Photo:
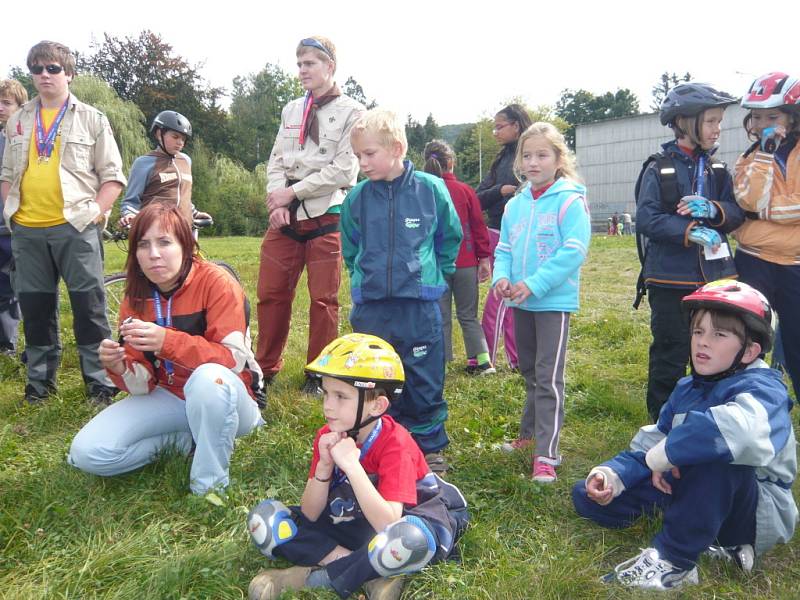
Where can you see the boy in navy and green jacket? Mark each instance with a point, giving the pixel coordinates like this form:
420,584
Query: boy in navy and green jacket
400,236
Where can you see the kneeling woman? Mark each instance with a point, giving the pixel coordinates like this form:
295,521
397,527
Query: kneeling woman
182,356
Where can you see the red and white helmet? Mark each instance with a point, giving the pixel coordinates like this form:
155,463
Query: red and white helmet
773,90
736,297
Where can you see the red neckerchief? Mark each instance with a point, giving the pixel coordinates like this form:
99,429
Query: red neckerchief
310,125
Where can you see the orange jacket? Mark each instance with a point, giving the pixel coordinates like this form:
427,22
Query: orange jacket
208,326
765,190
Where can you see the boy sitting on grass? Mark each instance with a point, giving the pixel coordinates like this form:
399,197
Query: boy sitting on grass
371,508
720,461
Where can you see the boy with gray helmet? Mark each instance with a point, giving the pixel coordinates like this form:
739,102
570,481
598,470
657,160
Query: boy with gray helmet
685,206
165,174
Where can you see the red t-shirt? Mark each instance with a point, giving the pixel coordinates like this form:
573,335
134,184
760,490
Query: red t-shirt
394,457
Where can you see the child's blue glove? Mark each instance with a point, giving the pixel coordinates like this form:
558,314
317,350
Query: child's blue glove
700,208
769,140
705,237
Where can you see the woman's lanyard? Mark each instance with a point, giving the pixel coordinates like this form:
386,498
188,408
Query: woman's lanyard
338,475
46,138
160,320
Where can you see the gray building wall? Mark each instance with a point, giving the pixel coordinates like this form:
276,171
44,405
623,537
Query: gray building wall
610,155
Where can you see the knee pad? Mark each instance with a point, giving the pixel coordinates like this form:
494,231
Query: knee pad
405,546
270,524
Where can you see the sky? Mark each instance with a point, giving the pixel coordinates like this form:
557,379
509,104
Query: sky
459,61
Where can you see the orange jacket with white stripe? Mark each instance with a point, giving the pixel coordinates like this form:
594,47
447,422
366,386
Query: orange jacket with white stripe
767,187
209,325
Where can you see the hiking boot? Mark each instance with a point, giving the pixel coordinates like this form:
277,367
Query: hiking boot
384,588
101,395
649,571
743,555
437,463
543,472
34,395
481,369
517,444
312,386
270,583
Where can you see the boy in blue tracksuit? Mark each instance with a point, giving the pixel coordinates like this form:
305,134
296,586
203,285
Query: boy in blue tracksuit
720,461
400,237
684,208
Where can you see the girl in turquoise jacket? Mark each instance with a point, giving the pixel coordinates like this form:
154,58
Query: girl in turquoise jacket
544,238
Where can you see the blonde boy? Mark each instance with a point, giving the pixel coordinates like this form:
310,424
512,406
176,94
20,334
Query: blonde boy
400,237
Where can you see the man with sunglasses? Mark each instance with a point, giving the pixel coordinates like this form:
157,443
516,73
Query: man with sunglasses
310,169
61,173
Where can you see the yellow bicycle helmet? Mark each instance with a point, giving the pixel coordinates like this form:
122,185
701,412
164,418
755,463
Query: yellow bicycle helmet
366,362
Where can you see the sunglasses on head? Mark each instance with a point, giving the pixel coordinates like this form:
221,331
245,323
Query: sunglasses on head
312,43
52,69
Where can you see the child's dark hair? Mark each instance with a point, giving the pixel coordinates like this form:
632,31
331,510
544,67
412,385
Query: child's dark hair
726,321
437,155
513,113
794,121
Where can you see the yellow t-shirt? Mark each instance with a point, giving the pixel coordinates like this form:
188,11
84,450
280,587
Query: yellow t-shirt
41,199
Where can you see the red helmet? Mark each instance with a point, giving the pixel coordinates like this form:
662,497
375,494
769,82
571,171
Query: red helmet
734,296
773,90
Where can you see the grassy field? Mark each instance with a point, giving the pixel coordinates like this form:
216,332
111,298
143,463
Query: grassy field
65,534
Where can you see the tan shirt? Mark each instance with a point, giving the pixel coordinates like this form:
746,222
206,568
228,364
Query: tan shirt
89,158
325,171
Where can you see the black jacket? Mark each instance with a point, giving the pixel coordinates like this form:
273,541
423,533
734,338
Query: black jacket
492,201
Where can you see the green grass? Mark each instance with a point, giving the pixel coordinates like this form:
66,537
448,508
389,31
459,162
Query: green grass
65,534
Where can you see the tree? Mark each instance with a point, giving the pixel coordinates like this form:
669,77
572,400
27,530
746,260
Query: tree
666,83
255,112
415,134
582,106
353,89
431,130
125,117
144,70
24,78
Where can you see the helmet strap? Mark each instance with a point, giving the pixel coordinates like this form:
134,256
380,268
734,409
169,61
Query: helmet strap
159,135
358,424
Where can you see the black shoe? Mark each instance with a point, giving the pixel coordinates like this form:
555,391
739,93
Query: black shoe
34,396
101,396
312,386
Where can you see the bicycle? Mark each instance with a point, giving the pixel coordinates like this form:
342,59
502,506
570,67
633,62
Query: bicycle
114,283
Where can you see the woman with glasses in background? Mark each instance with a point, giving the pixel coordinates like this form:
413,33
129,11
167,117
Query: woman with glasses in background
494,191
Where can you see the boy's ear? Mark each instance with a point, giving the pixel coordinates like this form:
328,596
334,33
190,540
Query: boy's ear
751,353
397,149
379,405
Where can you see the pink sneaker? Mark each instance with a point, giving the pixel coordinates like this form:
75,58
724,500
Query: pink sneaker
517,444
543,472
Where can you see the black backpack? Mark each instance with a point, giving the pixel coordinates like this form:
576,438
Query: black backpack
670,196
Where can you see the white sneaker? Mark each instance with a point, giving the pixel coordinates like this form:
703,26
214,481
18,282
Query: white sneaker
649,571
743,555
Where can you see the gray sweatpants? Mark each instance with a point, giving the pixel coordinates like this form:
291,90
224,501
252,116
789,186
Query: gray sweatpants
463,286
542,347
42,256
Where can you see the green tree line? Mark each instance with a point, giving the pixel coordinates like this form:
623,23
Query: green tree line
132,79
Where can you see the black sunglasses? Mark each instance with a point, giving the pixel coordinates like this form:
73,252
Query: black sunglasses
52,69
312,43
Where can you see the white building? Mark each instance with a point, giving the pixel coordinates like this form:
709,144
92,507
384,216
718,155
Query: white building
610,155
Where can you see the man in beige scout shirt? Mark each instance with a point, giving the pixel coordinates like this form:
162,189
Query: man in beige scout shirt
61,172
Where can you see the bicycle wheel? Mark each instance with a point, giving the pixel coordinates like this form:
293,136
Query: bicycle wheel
229,269
114,285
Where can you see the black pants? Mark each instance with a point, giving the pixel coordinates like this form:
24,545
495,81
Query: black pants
669,351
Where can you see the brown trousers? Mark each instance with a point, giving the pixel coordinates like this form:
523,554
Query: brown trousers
282,262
